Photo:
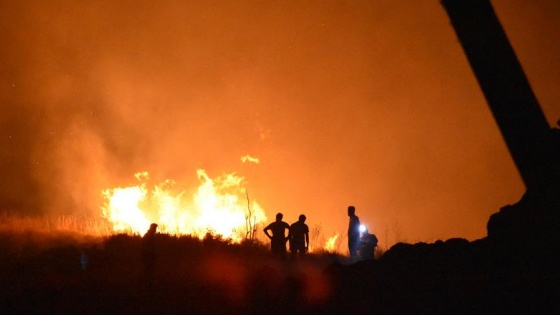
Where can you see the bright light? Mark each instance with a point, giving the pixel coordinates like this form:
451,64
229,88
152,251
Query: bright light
362,228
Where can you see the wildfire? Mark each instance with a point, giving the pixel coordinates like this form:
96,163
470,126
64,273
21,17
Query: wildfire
331,242
219,205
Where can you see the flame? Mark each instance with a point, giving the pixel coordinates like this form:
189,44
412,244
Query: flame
330,243
219,205
250,159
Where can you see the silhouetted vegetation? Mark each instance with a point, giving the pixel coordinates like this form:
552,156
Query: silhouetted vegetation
190,275
46,273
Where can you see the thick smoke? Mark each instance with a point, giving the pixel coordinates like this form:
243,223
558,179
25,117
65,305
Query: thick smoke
369,103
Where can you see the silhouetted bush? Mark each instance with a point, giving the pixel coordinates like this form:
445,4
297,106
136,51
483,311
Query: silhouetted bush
65,274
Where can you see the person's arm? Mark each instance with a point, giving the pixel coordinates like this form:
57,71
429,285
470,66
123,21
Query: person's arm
265,230
306,241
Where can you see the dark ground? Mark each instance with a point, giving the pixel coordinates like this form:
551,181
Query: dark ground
215,277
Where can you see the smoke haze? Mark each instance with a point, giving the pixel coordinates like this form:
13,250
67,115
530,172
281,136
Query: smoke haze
365,103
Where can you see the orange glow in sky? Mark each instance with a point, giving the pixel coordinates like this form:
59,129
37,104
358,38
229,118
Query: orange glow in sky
328,104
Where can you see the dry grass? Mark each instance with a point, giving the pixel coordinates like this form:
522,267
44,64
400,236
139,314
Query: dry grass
69,224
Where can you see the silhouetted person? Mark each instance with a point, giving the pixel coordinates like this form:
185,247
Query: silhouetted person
368,243
299,237
149,252
353,233
278,238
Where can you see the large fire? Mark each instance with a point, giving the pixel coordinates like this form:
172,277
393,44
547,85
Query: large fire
220,206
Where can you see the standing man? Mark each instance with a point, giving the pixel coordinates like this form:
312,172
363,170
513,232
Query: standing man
299,237
278,238
353,233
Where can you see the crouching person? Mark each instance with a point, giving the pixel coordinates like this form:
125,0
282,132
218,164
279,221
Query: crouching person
368,243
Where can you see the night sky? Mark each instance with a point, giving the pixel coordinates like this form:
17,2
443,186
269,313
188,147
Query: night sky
364,103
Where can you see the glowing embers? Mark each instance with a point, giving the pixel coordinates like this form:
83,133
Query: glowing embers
219,206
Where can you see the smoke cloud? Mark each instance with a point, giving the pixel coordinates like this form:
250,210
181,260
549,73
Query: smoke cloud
365,103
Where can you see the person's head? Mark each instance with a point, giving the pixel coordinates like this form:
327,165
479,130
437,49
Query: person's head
279,216
153,228
351,210
302,218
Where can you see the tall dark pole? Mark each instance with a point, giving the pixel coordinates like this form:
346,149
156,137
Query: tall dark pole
505,86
